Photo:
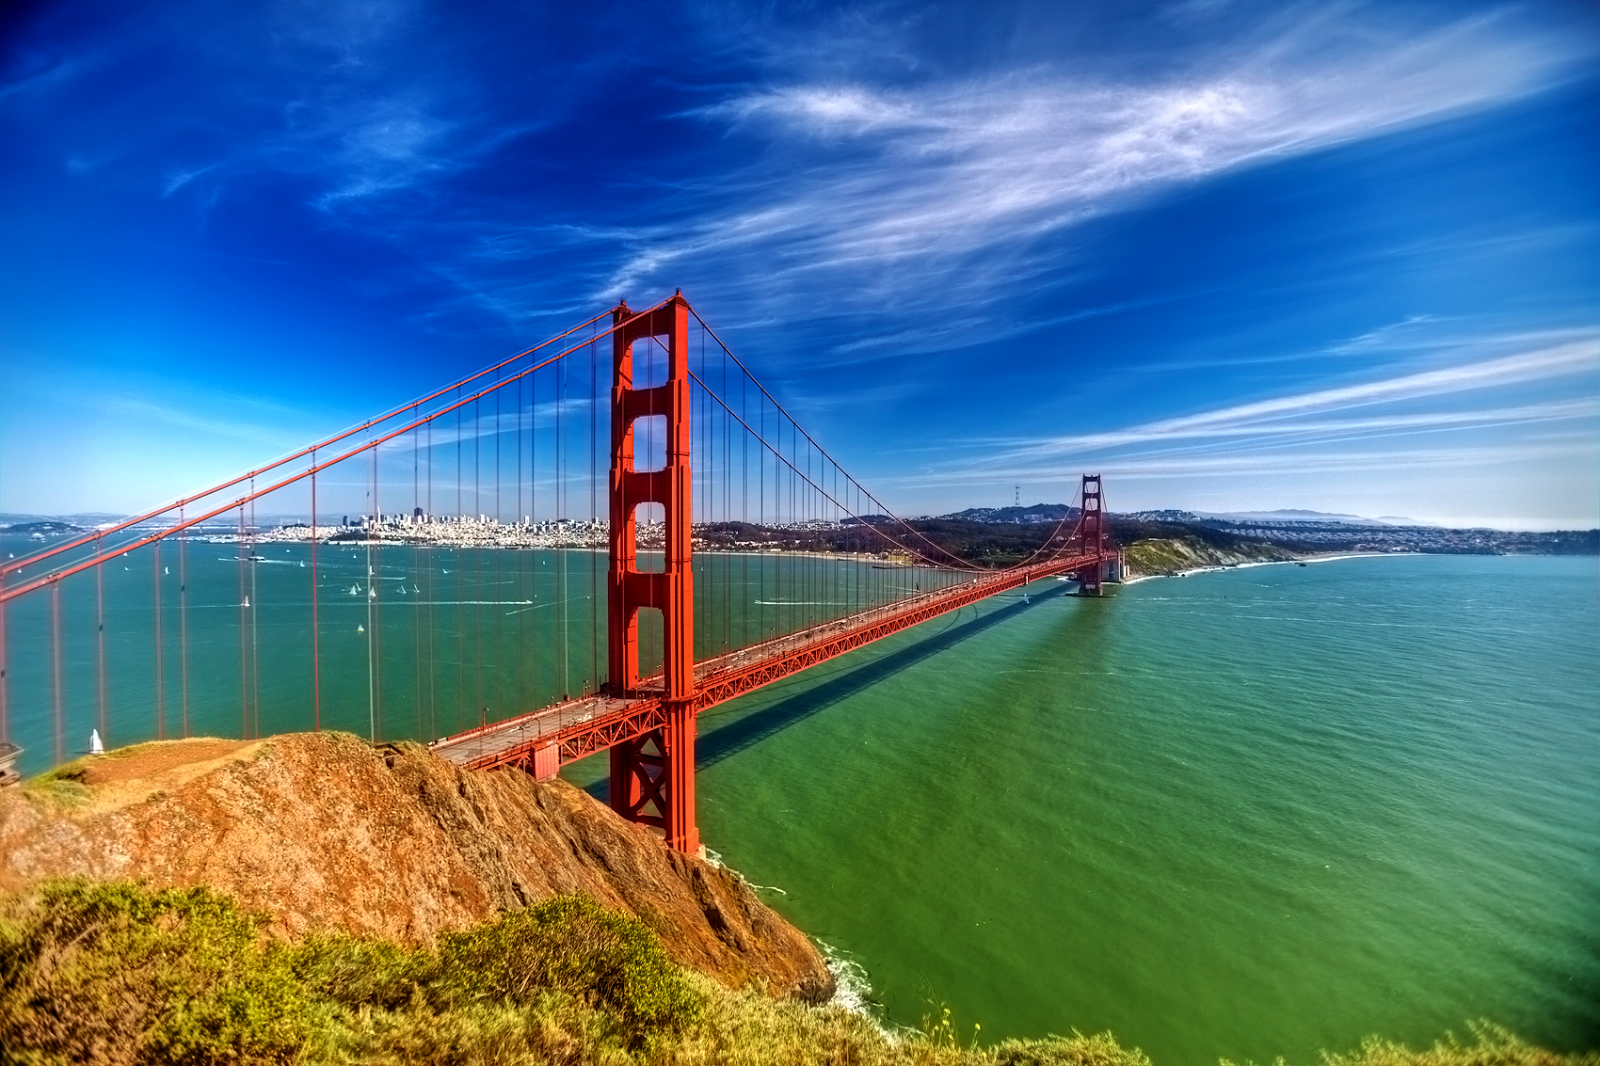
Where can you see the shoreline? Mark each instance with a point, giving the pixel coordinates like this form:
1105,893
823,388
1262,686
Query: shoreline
1307,560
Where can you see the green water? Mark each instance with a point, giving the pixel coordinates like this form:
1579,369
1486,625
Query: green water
409,643
1242,814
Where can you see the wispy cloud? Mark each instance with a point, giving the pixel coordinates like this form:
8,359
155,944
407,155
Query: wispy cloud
1302,417
899,188
178,179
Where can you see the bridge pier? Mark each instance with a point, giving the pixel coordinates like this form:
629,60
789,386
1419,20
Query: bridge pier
652,776
652,779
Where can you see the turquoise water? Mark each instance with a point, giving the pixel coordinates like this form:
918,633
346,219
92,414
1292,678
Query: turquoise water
1240,814
1244,814
409,643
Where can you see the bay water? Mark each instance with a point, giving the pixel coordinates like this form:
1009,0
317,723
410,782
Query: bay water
1247,813
1239,814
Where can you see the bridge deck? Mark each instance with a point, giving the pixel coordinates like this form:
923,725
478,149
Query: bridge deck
589,724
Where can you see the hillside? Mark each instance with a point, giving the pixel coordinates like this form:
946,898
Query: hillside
1170,555
310,898
326,831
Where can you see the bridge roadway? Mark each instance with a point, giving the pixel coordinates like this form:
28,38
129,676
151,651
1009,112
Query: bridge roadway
542,740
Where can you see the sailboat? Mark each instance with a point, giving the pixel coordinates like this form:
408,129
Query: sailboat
246,602
95,746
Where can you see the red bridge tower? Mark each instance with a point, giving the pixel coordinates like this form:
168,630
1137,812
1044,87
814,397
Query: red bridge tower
1093,537
652,776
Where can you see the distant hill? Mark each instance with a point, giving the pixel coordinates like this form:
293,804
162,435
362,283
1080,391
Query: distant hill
1289,516
1027,515
82,521
44,528
1284,518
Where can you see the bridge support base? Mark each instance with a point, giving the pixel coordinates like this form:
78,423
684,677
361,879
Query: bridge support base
652,780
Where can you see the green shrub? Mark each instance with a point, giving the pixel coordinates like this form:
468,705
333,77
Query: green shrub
358,972
110,972
113,973
572,945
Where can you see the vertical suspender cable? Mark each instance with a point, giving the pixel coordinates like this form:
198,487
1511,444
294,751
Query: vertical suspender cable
5,695
316,658
244,659
183,621
561,514
744,508
519,690
372,594
155,566
594,519
477,553
376,601
433,724
412,521
255,629
460,554
99,634
496,546
541,592
55,659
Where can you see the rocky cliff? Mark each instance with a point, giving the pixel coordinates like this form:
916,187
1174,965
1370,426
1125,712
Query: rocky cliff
324,830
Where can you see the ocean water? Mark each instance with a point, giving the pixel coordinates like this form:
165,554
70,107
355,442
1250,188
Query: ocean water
1246,814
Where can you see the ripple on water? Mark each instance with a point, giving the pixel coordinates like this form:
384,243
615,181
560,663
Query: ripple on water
1251,813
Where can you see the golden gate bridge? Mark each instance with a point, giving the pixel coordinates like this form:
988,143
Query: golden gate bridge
737,552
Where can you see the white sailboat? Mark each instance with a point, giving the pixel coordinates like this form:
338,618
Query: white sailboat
95,746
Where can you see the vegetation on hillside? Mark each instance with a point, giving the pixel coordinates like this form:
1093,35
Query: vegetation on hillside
1169,555
113,973
973,539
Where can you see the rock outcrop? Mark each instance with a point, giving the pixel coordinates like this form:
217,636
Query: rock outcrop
326,831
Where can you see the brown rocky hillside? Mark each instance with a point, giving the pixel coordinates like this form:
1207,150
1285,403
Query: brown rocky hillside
324,830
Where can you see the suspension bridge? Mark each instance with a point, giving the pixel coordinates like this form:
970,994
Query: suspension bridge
577,549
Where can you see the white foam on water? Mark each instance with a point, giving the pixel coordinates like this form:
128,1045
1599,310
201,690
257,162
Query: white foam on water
851,989
1305,559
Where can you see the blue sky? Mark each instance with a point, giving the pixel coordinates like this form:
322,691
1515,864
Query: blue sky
1233,255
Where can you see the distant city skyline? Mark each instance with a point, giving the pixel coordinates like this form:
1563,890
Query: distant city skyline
1234,256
